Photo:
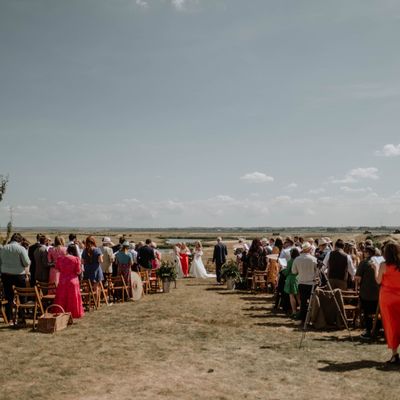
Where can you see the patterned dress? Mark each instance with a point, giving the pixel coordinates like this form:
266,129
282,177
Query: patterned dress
273,268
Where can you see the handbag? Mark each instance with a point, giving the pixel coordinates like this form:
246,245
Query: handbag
51,322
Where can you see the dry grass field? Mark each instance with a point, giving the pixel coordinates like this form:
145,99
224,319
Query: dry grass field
199,341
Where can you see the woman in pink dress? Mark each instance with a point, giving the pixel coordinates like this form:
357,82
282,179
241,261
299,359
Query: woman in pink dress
68,294
53,254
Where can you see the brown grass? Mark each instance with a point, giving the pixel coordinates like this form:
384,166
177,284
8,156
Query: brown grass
197,342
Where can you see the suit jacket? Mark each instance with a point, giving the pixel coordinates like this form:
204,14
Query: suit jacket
145,256
220,253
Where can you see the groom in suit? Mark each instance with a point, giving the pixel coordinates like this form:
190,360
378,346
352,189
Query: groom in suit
219,257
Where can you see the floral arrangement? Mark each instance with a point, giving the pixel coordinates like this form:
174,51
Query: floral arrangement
166,271
230,270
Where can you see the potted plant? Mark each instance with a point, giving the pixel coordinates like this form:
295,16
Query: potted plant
230,273
166,273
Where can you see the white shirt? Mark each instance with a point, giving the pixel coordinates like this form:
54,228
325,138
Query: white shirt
350,266
305,266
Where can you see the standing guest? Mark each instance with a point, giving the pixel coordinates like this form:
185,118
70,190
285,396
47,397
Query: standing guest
132,250
146,256
257,256
41,261
157,254
14,266
219,257
339,266
124,261
108,255
388,276
323,249
243,244
291,283
68,294
32,268
305,267
116,248
92,259
273,264
288,245
265,244
72,239
176,249
184,255
58,250
369,290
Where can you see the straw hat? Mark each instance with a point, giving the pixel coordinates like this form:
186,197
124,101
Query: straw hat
107,240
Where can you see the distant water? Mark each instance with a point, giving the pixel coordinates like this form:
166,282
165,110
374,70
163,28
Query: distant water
181,240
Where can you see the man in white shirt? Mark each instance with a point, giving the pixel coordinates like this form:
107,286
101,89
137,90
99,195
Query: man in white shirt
305,266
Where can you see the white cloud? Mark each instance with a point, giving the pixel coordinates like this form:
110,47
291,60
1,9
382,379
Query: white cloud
292,186
178,4
142,3
317,191
389,150
348,189
356,174
220,210
257,177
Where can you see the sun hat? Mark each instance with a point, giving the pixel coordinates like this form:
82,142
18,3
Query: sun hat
306,246
107,240
126,244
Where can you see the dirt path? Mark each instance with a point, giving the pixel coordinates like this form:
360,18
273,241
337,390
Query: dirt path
197,342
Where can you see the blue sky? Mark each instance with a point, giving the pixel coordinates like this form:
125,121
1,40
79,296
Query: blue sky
200,113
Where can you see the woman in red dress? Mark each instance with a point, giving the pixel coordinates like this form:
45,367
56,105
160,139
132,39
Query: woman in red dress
184,255
68,293
389,297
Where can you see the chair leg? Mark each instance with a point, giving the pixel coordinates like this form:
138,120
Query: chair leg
3,313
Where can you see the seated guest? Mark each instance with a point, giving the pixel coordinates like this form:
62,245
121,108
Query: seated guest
339,265
369,290
68,294
305,267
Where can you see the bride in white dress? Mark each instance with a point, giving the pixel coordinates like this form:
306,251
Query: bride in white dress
197,268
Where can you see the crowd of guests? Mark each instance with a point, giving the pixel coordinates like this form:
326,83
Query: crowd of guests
294,265
63,265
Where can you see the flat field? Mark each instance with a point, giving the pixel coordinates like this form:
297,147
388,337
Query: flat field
199,341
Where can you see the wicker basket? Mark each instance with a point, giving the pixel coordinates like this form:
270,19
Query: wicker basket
55,321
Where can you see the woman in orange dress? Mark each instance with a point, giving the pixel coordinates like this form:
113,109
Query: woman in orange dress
388,277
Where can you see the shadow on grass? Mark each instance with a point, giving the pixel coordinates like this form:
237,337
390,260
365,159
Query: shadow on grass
254,298
278,325
354,366
252,308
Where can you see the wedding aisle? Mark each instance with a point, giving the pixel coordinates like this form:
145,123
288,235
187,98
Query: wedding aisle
198,342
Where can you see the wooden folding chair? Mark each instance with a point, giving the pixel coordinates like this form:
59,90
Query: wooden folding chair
25,300
144,275
87,295
3,303
46,292
155,282
351,301
117,288
259,280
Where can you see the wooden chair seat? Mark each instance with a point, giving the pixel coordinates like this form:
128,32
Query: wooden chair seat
27,299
